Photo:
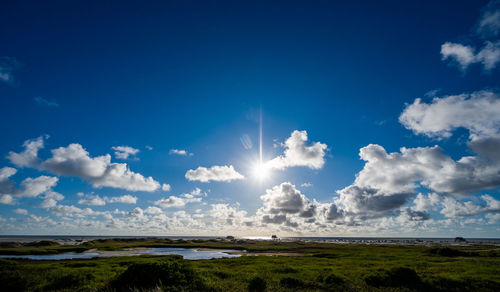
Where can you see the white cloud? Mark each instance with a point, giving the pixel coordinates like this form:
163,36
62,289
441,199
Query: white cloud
92,201
136,213
74,160
426,203
215,173
478,112
181,152
284,204
29,157
20,211
178,202
166,187
153,210
71,211
463,55
29,187
298,154
489,23
228,215
48,203
6,199
124,152
455,208
50,199
489,55
125,199
306,185
34,187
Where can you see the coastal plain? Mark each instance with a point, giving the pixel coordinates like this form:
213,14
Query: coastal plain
264,265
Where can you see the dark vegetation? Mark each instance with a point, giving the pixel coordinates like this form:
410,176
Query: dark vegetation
323,267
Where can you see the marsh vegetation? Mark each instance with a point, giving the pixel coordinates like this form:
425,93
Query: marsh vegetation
321,267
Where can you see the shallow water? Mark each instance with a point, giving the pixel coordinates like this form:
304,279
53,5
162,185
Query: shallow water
186,253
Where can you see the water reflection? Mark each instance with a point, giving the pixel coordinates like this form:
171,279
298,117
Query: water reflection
186,253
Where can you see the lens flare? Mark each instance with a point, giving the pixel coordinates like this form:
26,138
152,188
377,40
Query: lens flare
246,142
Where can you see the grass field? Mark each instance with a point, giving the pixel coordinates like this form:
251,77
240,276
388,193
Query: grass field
321,267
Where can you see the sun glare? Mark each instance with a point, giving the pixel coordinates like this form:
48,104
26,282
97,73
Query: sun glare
261,171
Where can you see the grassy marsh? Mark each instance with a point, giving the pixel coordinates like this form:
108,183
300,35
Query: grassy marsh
322,267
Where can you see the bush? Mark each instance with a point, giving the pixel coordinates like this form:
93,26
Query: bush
170,275
333,279
11,279
285,270
450,252
396,277
69,281
257,284
291,283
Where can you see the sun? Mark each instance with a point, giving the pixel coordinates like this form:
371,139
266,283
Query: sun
261,171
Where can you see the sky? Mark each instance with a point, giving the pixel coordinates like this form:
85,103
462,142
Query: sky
250,118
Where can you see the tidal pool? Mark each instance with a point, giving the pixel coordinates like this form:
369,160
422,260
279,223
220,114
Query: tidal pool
186,253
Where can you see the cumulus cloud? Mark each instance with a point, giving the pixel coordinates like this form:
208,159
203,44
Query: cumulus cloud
125,199
71,211
124,152
166,187
366,202
214,173
284,204
228,215
6,199
464,56
153,210
489,55
180,152
297,153
178,202
74,160
478,112
20,211
29,157
92,201
32,187
29,187
451,207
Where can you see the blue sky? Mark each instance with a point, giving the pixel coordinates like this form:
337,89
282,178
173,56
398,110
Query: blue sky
332,81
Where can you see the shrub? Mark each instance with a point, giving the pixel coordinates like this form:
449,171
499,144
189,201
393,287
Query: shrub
291,283
450,252
11,278
69,281
170,275
396,277
333,279
285,270
257,284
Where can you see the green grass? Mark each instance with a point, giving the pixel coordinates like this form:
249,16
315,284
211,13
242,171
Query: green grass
326,267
